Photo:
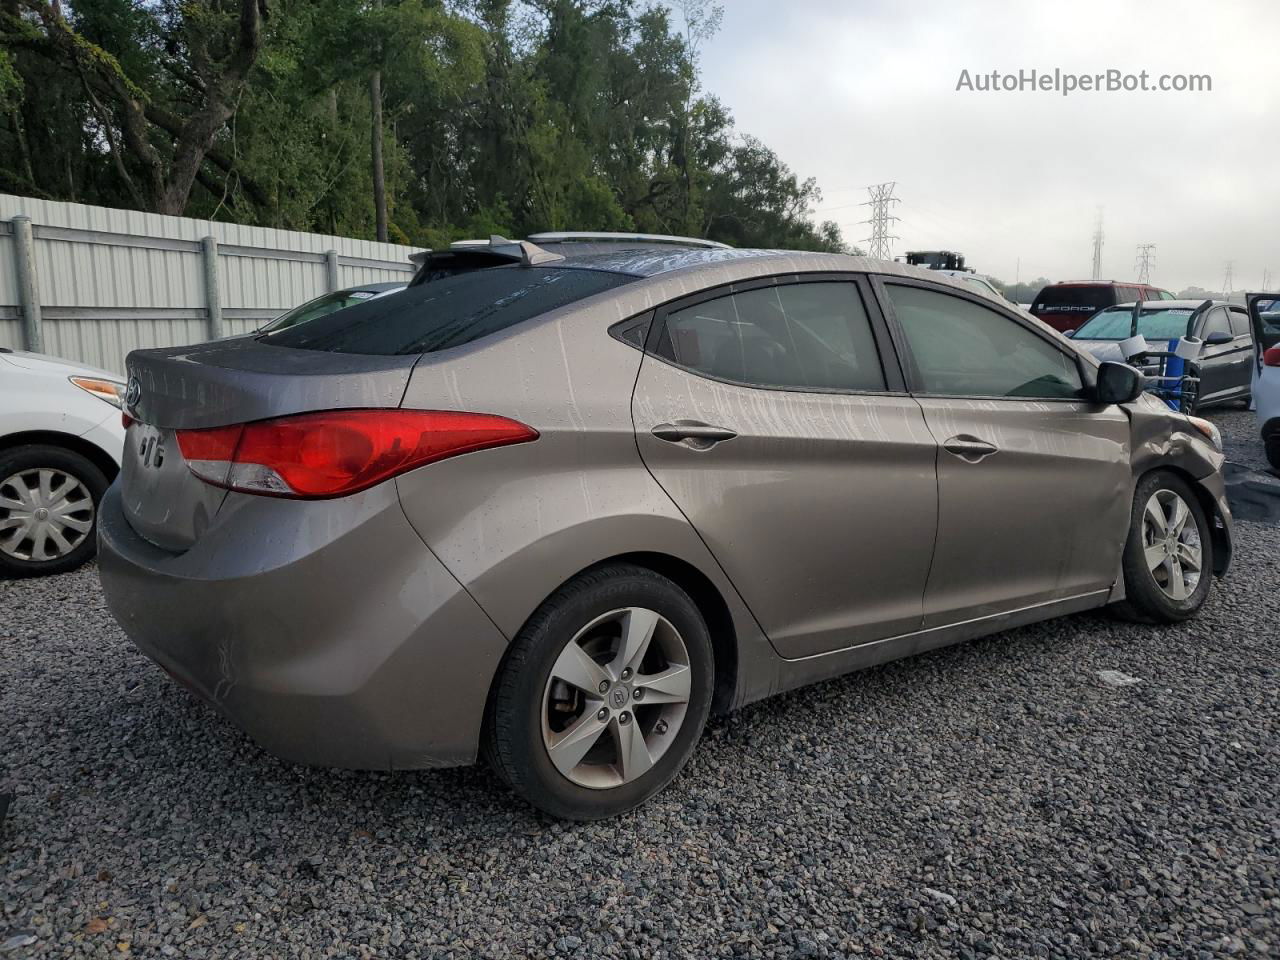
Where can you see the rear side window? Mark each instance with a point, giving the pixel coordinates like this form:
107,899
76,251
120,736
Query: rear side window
1074,299
803,336
961,349
447,312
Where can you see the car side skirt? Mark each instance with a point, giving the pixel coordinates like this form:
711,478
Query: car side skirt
790,674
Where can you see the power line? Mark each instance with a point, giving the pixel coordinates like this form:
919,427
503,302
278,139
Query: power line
1146,256
1098,237
881,240
1228,280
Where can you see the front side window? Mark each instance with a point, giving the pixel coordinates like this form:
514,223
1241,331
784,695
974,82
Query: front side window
803,336
962,349
1216,322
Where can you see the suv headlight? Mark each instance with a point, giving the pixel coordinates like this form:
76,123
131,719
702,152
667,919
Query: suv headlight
1210,430
111,391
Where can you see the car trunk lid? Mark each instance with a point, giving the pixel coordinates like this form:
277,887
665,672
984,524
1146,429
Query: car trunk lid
218,384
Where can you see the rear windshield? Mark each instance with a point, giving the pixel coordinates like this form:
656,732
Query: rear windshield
1152,324
1074,299
447,312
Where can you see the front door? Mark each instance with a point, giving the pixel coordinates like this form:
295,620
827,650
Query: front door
1034,482
768,417
1224,365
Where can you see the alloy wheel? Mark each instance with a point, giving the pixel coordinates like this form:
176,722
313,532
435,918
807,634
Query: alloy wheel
45,513
1171,544
616,698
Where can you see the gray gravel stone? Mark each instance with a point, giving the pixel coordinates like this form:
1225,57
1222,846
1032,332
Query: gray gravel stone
991,799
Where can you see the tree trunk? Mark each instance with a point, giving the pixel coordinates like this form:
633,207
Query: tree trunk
375,152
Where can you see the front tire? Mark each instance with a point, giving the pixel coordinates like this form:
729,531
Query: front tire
603,695
1168,558
49,500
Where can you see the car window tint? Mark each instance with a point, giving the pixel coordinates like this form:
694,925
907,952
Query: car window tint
962,349
1239,323
801,336
447,312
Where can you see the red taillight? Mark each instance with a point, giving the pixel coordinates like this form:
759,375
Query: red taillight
336,453
1271,356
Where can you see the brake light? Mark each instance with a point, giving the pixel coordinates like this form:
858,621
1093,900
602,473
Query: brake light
339,452
1271,356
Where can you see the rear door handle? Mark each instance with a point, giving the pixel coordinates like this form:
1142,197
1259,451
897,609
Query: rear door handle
969,448
696,430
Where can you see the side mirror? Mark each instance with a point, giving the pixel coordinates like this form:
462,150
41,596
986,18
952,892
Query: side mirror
1118,383
1218,339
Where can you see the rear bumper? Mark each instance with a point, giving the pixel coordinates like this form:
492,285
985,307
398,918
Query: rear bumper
325,629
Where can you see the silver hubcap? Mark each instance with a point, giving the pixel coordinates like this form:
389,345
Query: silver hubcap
44,514
1171,544
616,698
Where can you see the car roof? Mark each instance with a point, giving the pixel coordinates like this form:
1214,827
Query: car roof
1169,304
656,261
1101,283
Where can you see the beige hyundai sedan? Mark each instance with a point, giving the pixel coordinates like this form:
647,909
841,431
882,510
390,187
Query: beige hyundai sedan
558,504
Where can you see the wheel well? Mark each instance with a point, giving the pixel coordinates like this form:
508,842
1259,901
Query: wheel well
51,438
1221,545
724,639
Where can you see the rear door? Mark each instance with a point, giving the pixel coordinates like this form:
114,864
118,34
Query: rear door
1033,479
767,414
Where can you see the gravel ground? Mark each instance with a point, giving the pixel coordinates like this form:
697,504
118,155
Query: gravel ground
996,798
1240,438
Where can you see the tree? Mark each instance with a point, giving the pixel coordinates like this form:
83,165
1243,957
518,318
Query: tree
412,120
208,50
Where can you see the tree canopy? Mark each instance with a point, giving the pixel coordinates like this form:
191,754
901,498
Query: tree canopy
420,121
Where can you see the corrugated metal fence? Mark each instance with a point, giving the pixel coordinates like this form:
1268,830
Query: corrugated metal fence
92,283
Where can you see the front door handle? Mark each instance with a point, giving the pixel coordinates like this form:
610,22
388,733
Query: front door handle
969,448
703,434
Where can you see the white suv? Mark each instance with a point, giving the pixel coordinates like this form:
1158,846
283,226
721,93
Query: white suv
61,439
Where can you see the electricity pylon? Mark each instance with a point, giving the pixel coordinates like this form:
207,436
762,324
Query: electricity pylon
880,243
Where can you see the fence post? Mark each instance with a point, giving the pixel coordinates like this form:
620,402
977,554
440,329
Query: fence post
24,256
212,298
331,268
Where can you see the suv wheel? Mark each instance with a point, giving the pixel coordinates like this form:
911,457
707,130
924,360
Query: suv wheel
49,500
1168,558
603,695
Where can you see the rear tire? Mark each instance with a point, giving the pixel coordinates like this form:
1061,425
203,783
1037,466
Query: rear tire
589,746
1168,557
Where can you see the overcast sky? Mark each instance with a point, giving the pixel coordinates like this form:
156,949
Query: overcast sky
856,92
